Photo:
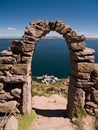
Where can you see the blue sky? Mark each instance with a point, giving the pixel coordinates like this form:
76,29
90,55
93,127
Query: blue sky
81,15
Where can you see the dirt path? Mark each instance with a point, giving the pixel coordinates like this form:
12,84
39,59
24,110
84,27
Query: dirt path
52,115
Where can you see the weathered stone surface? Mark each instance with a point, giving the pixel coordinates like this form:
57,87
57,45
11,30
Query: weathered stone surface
8,74
86,55
7,60
76,97
81,83
33,32
90,111
1,73
16,92
14,79
12,124
52,25
8,106
26,108
58,23
6,53
1,86
65,29
26,59
91,105
17,46
95,96
41,25
19,69
86,51
5,66
96,111
81,75
82,67
29,39
78,46
6,96
2,92
79,98
94,74
70,38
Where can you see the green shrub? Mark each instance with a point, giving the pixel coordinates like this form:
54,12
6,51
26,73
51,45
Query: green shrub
96,121
79,113
24,121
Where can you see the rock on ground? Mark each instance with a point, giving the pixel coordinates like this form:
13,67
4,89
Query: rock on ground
12,124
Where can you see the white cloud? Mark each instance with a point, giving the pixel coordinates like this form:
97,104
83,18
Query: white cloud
9,28
89,34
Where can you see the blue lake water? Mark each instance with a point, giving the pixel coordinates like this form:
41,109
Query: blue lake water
51,56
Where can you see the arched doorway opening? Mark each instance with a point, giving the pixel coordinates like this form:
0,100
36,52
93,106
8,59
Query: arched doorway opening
51,57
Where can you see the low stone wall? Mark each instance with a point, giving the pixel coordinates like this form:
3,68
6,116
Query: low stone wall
15,68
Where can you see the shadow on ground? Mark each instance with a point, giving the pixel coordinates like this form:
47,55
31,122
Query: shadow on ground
51,113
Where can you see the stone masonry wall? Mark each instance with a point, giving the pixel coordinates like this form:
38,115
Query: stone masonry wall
15,70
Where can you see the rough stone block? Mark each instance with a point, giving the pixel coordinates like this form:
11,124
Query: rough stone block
19,69
70,39
5,67
16,92
12,124
85,52
29,39
81,56
1,73
6,53
33,32
81,75
65,29
1,86
94,96
26,59
77,46
52,25
40,25
13,79
95,71
8,106
58,24
91,105
76,98
26,104
7,60
81,83
6,96
82,67
21,47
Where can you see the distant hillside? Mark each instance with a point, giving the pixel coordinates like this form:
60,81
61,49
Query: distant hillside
52,37
48,37
90,38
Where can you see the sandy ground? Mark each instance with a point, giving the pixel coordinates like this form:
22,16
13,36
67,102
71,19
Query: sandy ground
52,114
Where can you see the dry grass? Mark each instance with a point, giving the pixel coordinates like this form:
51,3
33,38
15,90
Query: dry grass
41,89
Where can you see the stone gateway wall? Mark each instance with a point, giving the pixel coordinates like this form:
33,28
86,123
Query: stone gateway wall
15,70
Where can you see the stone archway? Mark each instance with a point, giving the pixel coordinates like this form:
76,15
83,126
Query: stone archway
15,68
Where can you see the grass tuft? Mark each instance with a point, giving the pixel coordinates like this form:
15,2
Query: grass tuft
96,121
24,121
78,114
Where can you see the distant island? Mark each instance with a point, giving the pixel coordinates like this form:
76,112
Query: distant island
47,37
